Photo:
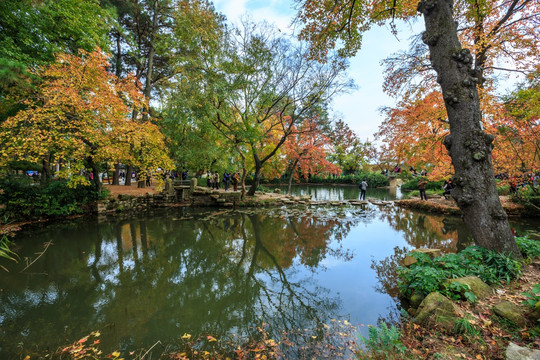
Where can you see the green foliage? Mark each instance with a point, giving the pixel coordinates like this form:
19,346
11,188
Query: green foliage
530,248
427,275
465,327
5,251
384,341
24,200
528,197
533,297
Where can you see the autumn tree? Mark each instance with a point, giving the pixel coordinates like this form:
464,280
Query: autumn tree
457,74
251,84
306,151
502,38
414,131
347,150
80,114
518,140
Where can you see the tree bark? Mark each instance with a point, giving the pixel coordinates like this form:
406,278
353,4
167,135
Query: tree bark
116,174
45,169
95,173
256,180
291,176
468,145
127,178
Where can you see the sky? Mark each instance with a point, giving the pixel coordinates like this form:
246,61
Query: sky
360,108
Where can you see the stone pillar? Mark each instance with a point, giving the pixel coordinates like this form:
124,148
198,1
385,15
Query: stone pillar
169,188
193,184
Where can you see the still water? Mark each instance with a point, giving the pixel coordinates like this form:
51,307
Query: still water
155,277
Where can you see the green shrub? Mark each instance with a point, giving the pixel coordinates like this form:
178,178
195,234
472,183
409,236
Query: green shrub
384,341
530,248
24,200
5,251
427,275
533,297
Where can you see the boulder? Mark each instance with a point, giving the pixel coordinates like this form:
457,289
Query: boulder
277,191
438,310
515,352
409,260
478,287
416,299
509,311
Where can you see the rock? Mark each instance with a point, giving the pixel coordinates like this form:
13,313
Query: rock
438,310
510,311
193,183
478,287
433,253
277,191
514,352
416,299
409,260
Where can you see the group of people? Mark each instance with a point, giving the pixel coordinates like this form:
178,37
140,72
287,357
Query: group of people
214,183
397,170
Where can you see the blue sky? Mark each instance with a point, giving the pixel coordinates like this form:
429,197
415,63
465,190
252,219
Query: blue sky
358,109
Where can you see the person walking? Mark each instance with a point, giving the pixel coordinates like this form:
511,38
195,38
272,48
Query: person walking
422,186
363,188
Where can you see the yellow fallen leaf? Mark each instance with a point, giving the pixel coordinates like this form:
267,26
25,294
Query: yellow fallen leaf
186,336
116,354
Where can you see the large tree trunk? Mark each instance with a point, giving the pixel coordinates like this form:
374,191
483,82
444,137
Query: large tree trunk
256,180
46,169
469,147
116,174
129,170
291,176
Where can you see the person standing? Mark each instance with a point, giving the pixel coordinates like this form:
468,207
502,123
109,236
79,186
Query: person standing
216,180
226,180
363,188
235,181
422,187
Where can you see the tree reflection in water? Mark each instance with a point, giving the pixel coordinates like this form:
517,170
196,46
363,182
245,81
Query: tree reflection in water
158,278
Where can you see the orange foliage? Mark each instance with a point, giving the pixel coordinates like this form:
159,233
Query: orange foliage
414,133
306,150
81,111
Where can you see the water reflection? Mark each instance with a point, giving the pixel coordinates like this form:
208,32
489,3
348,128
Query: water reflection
151,279
223,271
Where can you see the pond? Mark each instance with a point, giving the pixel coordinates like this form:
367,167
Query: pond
214,271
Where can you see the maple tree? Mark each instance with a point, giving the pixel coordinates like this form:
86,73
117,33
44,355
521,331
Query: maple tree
517,146
306,151
413,133
80,114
